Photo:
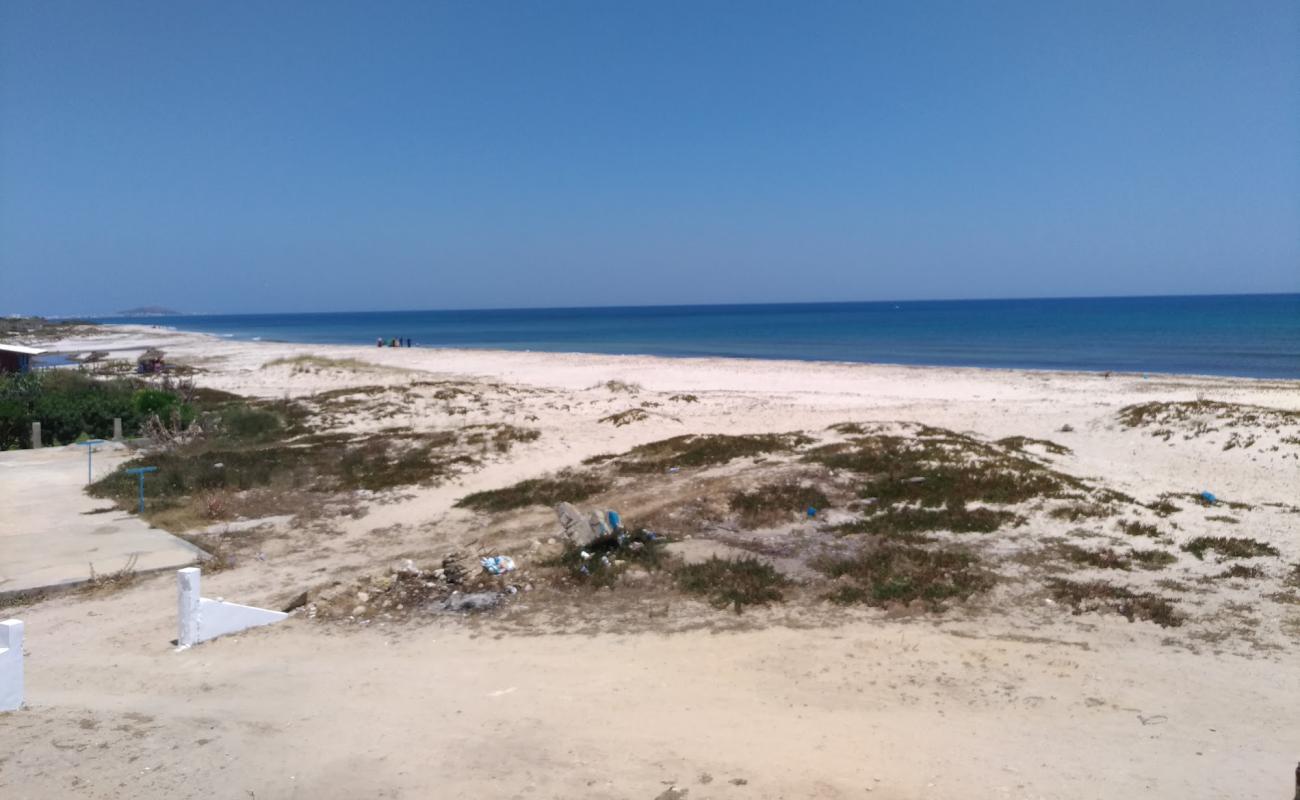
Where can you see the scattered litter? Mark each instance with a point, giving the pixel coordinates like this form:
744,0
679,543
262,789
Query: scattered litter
812,512
1209,497
674,470
917,479
585,555
498,565
599,525
576,527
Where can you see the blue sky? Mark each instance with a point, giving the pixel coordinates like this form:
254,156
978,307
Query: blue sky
226,157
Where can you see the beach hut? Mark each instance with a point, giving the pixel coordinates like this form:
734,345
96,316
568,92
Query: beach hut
150,361
17,357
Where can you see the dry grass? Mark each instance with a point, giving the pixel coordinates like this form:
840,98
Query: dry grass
315,363
957,519
1019,443
1136,528
627,417
706,450
773,502
1227,547
565,487
1077,511
101,583
1108,598
901,573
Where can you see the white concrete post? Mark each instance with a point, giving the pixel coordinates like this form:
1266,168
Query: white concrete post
187,585
11,665
117,429
36,435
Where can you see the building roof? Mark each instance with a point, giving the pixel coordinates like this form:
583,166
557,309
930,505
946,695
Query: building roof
20,349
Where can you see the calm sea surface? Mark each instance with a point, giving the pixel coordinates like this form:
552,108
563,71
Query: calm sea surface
1246,335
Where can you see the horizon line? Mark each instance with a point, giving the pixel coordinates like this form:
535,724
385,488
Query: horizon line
674,305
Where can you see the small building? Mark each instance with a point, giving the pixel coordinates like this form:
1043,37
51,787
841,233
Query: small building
17,357
150,362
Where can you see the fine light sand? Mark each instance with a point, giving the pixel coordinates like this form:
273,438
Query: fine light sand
1021,701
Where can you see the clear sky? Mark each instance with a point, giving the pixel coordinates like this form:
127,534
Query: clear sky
301,156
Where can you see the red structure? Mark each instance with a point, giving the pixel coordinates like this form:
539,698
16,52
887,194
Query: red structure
17,358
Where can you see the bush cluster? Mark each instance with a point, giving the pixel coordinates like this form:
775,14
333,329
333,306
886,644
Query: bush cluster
71,405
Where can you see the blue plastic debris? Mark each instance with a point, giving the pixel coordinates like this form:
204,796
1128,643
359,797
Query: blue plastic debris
1209,497
615,521
812,512
498,565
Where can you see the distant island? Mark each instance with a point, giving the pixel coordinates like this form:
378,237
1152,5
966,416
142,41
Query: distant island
149,311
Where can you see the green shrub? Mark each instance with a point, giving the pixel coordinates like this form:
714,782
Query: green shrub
733,582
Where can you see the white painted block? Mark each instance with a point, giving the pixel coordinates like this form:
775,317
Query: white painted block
217,618
187,586
201,619
11,665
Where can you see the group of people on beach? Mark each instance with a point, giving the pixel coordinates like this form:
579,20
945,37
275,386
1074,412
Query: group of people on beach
393,342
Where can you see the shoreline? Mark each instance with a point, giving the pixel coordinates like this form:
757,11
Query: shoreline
157,336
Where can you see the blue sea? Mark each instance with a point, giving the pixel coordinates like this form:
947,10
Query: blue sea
1243,335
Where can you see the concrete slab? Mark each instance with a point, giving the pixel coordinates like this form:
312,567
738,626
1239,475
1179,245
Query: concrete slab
50,538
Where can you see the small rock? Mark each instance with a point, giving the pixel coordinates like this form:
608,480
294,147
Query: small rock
363,597
471,602
408,568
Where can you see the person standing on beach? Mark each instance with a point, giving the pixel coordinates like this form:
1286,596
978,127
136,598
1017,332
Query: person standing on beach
379,341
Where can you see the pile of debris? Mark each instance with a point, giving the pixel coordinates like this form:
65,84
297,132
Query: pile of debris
600,550
408,590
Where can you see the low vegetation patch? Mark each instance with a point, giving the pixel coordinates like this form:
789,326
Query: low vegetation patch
571,487
500,436
72,405
1154,558
1164,507
1227,547
735,582
705,450
774,501
1019,443
1133,527
948,485
315,363
627,417
1077,511
902,573
621,387
1105,558
1241,571
1105,597
957,519
1204,416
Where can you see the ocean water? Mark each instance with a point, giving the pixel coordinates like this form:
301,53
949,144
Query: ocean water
1242,335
